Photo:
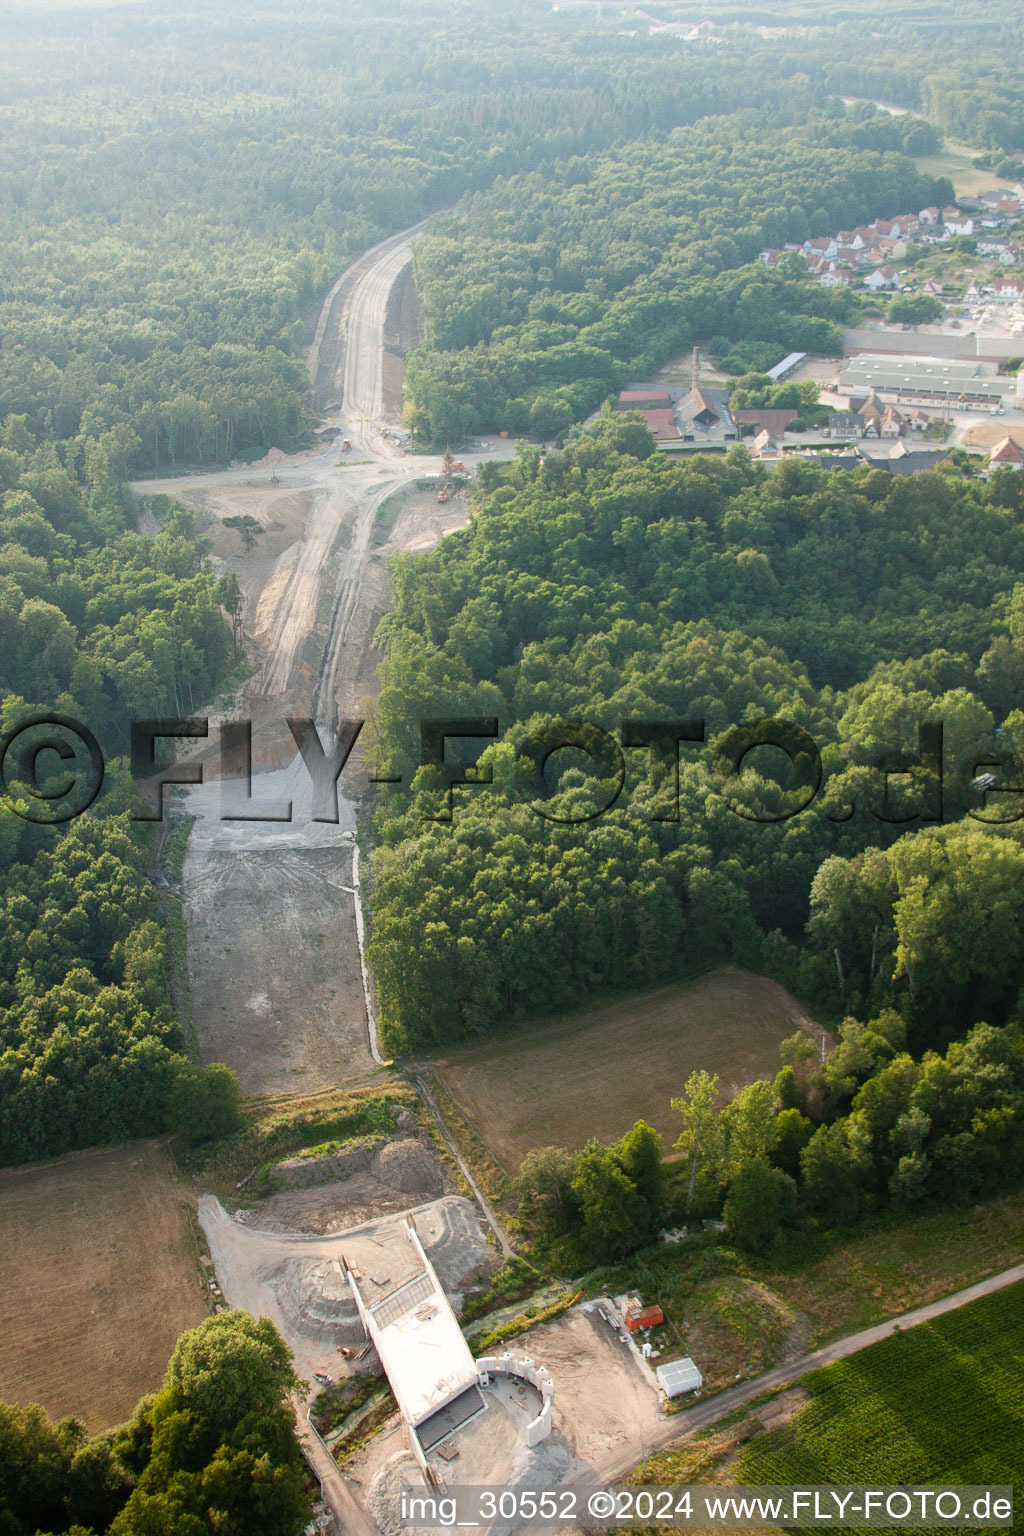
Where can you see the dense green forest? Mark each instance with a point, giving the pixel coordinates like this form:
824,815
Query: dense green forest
955,63
101,623
545,295
178,192
605,584
213,1451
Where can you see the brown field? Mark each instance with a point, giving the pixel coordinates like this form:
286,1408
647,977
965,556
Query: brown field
98,1278
982,435
595,1073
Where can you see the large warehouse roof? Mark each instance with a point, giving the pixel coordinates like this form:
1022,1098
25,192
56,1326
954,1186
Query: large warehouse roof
407,1316
936,377
788,365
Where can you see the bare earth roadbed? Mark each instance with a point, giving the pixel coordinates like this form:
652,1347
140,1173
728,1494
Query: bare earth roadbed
98,1278
595,1073
272,953
276,989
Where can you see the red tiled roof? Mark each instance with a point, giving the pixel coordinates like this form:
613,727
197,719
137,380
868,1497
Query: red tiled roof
774,420
662,424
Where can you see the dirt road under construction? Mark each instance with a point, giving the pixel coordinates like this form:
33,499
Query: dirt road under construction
274,960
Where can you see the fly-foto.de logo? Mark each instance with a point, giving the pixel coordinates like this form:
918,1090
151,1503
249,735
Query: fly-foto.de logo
52,769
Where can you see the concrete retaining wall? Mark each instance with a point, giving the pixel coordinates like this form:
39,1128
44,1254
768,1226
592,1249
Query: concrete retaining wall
526,1369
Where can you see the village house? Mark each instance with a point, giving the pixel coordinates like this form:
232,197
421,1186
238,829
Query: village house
1004,251
871,409
1006,455
957,223
772,419
934,235
847,256
882,278
846,424
766,448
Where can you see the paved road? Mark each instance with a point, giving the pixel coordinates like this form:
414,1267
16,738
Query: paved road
367,314
327,361
682,1424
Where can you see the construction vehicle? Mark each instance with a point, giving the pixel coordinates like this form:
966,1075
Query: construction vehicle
346,445
444,493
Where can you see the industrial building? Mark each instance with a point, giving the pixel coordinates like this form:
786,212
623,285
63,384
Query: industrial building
790,363
957,383
644,400
704,417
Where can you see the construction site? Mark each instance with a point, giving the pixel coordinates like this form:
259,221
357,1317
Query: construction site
367,1284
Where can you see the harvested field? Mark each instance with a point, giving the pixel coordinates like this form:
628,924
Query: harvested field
595,1073
98,1278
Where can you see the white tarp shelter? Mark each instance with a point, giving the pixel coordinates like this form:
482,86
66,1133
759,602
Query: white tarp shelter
679,1376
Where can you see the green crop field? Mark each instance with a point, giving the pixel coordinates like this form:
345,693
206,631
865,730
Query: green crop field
943,1402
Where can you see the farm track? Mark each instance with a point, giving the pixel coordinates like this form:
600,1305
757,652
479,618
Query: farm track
481,1199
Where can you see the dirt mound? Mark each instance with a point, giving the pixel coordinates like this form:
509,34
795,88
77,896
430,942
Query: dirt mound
329,1194
450,1233
316,1300
298,1172
410,1167
737,1327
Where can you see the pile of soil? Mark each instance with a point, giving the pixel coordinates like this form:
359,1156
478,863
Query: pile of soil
329,1194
